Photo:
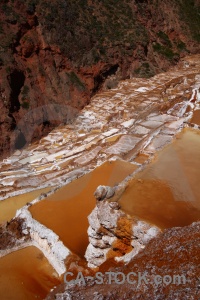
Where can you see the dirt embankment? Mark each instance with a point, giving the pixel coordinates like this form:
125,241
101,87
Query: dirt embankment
11,233
175,252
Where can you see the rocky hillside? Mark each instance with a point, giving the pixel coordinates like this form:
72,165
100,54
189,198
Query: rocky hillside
54,55
175,253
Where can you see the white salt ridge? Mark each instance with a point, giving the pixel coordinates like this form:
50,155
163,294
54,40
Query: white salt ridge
89,139
128,123
176,124
142,89
85,159
125,144
140,130
194,91
158,142
7,181
162,118
110,132
151,124
179,109
46,240
33,158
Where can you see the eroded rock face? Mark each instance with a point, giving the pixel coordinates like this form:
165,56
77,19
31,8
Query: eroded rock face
103,192
112,233
62,53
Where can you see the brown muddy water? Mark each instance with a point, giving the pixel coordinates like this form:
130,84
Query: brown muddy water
141,158
196,117
66,211
167,192
9,206
26,275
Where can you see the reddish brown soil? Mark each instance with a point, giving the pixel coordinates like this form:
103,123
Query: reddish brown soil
175,252
11,234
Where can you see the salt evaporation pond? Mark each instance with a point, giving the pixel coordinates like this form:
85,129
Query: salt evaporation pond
66,211
26,275
167,192
9,206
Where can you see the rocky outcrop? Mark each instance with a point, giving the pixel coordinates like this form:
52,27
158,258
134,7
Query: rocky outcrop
12,235
113,233
55,56
173,253
104,192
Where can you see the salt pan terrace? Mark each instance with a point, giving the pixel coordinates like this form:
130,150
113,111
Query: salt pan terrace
132,121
